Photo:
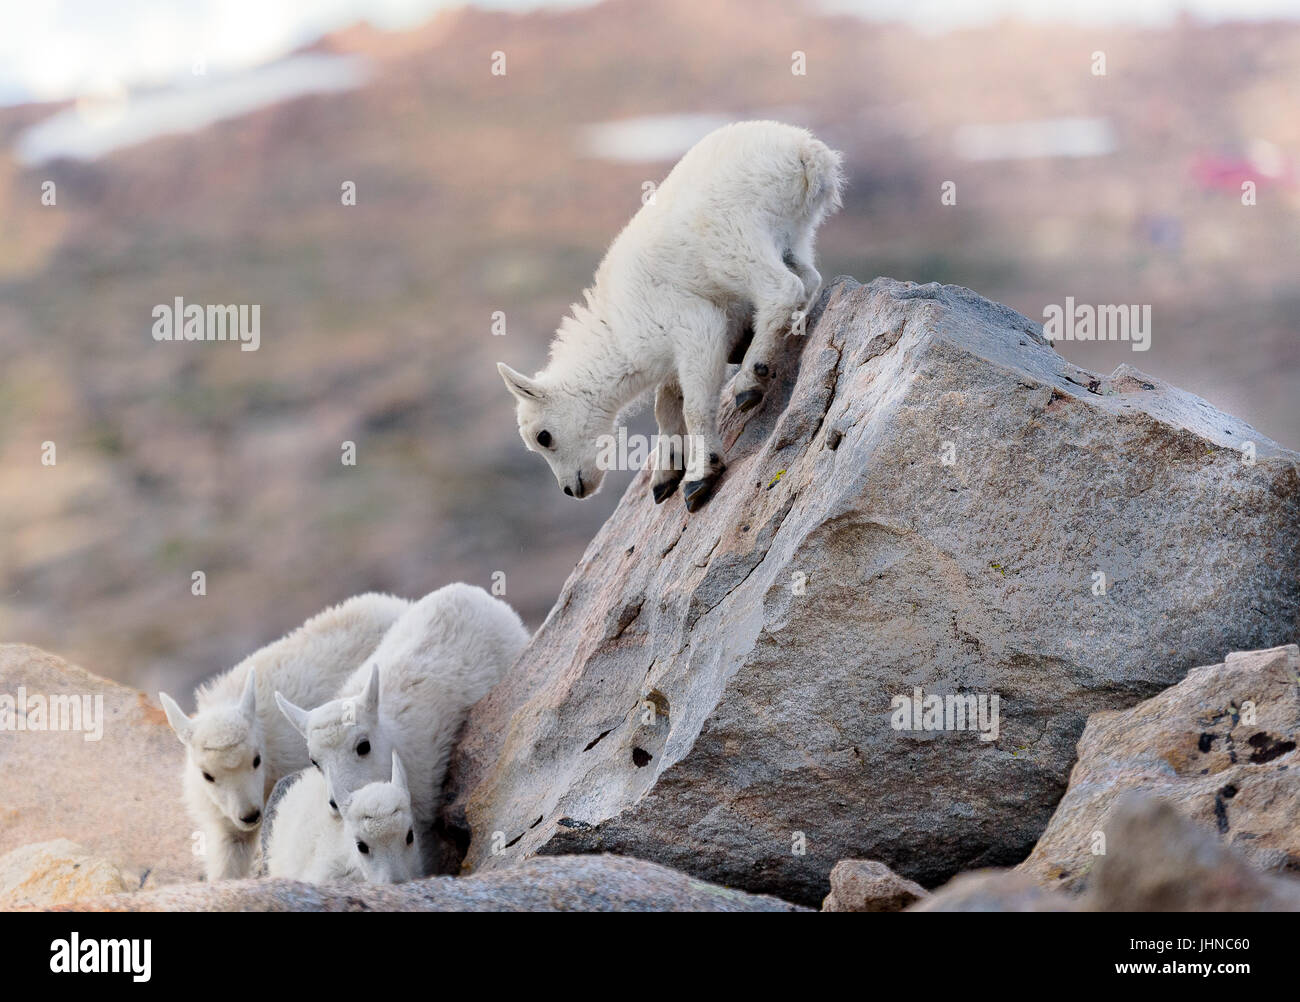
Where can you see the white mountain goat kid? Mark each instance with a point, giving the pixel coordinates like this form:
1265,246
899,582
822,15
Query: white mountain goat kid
726,237
373,837
238,745
411,697
306,840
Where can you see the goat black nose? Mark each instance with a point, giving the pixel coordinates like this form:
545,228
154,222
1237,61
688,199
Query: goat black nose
333,806
251,819
568,491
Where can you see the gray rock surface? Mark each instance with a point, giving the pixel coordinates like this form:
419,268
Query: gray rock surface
565,883
843,562
1220,747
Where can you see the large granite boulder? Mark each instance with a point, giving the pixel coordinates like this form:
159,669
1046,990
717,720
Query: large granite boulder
930,497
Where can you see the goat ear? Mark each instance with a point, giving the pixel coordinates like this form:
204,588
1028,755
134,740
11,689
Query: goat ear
519,384
181,724
248,700
399,776
296,714
371,697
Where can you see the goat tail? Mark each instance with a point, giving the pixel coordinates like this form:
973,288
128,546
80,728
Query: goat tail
823,174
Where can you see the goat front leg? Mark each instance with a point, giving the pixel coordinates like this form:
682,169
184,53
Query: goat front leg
229,853
701,383
669,458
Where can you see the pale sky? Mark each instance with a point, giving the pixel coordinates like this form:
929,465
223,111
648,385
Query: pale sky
53,49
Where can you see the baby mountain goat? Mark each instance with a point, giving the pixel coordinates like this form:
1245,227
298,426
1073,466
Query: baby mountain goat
238,746
726,241
411,697
373,837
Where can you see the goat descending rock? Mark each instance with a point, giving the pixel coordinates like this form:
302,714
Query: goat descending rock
238,746
727,237
372,838
411,697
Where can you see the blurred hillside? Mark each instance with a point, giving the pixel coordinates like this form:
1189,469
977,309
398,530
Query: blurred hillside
476,193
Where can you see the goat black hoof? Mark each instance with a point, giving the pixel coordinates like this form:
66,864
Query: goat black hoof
665,490
696,493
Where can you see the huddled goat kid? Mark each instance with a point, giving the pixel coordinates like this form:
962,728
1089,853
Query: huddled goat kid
372,838
238,745
411,696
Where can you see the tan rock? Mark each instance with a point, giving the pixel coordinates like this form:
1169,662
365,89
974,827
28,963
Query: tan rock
52,873
118,796
863,885
1220,747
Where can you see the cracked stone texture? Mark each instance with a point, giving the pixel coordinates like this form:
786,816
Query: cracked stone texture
119,797
569,883
842,562
1220,747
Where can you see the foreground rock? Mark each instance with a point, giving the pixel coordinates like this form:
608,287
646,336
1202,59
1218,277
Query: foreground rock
714,692
1220,747
569,883
863,885
992,890
1156,861
50,873
118,796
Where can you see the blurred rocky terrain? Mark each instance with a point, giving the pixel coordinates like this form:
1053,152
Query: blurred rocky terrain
479,193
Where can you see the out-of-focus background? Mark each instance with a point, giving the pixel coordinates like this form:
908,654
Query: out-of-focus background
200,150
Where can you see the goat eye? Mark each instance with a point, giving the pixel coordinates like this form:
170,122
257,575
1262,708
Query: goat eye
363,748
410,836
257,760
315,763
208,778
363,848
544,439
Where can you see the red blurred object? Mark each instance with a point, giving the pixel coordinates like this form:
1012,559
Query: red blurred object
1217,172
